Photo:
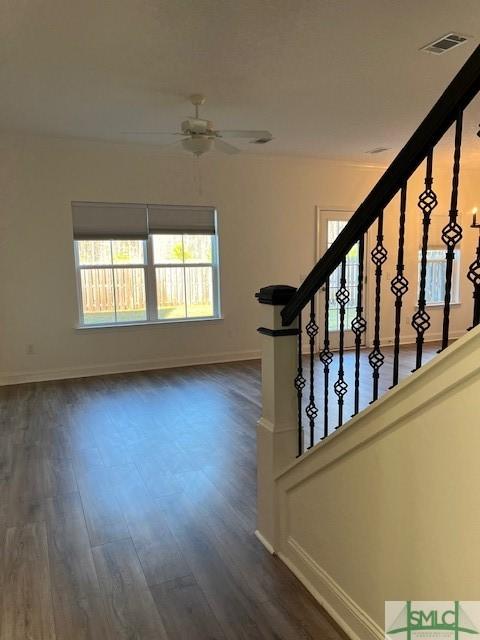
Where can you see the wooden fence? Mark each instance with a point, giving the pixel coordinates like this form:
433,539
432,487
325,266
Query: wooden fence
99,296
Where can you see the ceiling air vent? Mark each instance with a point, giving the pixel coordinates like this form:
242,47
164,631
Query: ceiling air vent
445,43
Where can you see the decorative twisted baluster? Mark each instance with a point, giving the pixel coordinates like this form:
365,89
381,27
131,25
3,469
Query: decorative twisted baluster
399,284
379,256
452,232
300,383
359,324
342,296
311,409
326,357
427,203
474,277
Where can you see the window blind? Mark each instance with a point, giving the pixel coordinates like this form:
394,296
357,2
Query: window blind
170,219
105,221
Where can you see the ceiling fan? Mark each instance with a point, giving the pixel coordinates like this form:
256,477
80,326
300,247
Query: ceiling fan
199,136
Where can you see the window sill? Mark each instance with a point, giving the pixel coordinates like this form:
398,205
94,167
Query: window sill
152,323
437,305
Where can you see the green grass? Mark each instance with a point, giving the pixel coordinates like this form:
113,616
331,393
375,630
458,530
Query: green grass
166,313
195,311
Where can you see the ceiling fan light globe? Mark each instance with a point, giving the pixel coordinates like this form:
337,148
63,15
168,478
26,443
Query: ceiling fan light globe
197,145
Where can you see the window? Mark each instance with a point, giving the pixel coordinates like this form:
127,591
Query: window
352,266
436,275
112,281
184,276
158,277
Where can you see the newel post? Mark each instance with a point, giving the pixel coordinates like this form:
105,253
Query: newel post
277,433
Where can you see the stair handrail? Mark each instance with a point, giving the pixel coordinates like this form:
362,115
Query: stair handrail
456,97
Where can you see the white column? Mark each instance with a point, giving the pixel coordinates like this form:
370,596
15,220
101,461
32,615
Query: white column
277,431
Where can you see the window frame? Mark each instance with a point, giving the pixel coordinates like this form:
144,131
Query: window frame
149,267
455,294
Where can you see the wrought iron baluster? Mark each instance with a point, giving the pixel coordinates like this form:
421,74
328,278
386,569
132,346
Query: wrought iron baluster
474,277
427,203
326,357
300,383
379,255
359,324
399,284
311,409
342,296
452,233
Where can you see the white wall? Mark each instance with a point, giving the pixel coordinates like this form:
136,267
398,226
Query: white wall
266,212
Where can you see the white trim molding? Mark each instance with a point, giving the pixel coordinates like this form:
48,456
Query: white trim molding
356,623
20,377
265,542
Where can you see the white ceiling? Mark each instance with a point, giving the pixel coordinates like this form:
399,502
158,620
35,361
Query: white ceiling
329,78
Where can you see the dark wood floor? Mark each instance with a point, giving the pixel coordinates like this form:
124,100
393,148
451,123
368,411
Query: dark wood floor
127,511
406,365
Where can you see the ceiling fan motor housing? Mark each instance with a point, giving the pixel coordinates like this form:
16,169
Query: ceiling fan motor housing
197,126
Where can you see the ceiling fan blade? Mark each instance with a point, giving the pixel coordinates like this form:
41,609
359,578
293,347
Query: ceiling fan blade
253,135
220,145
150,133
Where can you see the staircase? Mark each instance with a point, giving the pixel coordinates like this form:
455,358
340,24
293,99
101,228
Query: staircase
377,503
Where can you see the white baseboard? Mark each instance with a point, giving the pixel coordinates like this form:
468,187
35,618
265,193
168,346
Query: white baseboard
265,542
7,378
354,621
41,375
410,338
388,341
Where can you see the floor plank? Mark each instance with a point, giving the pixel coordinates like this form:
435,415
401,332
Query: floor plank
118,567
104,518
71,563
157,550
226,589
20,512
27,600
133,615
185,611
83,619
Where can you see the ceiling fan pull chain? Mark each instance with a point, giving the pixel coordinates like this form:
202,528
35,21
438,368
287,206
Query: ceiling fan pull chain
196,160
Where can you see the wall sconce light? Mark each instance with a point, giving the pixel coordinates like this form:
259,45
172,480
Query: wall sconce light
475,224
